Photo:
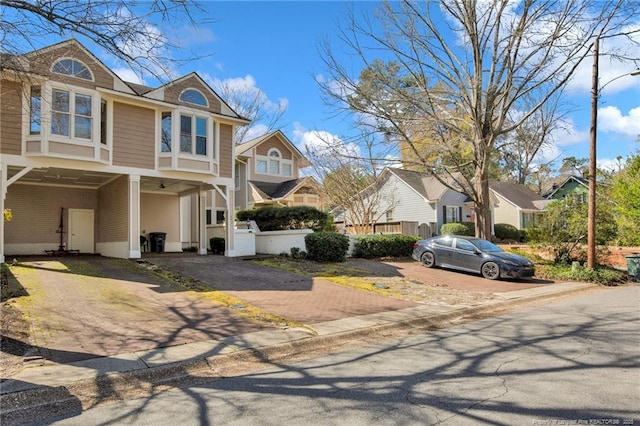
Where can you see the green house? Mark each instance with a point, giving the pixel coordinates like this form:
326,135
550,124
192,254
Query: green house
573,186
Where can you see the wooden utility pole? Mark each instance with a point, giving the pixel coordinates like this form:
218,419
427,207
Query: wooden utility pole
591,221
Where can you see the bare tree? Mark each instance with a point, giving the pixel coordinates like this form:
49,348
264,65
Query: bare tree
253,104
350,179
481,59
519,149
133,35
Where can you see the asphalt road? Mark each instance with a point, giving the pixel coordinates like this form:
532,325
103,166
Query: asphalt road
575,361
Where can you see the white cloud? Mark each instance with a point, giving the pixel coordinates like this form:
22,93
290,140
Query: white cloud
613,74
611,119
254,131
127,74
611,165
243,94
323,144
566,134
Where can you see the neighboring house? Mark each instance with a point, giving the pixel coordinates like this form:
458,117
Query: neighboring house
268,173
573,186
91,163
412,197
515,204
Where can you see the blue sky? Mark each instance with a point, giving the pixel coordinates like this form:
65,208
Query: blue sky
273,47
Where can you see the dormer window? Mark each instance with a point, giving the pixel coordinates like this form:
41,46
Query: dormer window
73,68
193,96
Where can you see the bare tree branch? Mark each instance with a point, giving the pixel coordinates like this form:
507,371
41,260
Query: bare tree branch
454,72
135,36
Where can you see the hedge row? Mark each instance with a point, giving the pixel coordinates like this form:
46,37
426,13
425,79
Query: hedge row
284,218
372,246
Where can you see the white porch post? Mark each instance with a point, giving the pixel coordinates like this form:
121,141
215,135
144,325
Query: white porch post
3,192
230,246
202,222
134,217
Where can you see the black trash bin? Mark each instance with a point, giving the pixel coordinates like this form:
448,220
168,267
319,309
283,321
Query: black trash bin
633,267
157,241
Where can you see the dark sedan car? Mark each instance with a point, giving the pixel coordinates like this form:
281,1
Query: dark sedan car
472,255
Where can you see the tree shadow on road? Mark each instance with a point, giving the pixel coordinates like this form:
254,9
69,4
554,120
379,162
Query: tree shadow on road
481,372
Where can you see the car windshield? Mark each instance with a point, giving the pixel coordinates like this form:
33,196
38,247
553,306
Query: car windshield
486,246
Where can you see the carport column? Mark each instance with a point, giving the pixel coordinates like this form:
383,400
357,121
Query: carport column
202,223
134,217
230,246
3,193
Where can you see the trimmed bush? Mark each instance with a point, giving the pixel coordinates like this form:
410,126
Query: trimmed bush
371,246
217,245
327,246
459,228
504,231
284,218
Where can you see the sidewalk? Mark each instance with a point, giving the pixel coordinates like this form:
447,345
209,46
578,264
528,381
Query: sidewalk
91,381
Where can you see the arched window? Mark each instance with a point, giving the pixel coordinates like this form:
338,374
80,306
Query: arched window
274,161
72,68
274,153
192,96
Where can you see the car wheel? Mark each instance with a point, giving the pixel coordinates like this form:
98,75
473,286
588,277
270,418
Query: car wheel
490,271
428,259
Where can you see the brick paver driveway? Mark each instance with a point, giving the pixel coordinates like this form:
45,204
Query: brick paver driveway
85,307
291,296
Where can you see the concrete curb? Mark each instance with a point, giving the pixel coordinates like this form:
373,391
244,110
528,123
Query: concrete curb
103,388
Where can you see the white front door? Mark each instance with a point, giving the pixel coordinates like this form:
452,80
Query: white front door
81,230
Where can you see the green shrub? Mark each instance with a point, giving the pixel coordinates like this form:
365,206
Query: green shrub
298,253
458,228
327,246
217,245
600,275
371,246
284,218
505,231
563,229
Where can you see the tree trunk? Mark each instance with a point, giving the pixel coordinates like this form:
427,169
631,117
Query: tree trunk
483,200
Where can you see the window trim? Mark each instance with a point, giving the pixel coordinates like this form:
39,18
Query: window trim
35,114
47,98
209,128
191,89
270,159
73,60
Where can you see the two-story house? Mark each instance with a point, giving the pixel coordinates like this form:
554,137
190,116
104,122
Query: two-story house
93,164
268,173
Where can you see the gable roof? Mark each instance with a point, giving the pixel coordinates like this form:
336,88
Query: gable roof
557,187
277,191
226,109
245,147
518,195
429,187
134,89
73,43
